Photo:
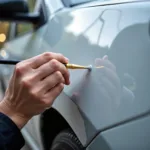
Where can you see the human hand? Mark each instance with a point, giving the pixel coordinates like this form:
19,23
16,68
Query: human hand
34,85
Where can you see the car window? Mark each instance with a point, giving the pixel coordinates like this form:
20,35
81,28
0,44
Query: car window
22,28
76,2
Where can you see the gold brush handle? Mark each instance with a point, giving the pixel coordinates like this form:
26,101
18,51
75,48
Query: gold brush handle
74,66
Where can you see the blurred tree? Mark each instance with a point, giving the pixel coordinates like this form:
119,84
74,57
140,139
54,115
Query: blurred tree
31,4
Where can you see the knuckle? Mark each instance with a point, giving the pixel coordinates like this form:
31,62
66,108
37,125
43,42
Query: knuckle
19,68
61,55
61,87
47,55
47,102
58,90
34,94
31,79
26,83
58,75
54,64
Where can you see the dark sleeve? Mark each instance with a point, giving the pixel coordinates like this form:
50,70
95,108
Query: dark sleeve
10,136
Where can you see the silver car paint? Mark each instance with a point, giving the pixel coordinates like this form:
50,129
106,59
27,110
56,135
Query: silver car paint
84,34
129,136
83,47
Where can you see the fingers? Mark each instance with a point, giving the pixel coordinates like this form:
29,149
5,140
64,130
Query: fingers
39,60
51,67
51,81
53,94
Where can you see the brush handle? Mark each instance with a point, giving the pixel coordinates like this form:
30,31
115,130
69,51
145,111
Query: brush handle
9,62
13,62
68,66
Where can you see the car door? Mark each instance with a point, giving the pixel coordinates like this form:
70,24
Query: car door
119,92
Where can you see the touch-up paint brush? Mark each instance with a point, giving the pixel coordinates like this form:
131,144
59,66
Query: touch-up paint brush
68,66
74,66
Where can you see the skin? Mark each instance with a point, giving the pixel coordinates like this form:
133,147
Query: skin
33,87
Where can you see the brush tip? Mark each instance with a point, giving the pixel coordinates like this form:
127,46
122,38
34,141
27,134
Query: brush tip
90,67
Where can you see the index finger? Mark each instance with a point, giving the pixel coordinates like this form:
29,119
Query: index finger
41,59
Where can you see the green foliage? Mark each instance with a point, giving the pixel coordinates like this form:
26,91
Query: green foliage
31,4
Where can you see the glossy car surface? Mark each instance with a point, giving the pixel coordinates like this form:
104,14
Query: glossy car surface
107,109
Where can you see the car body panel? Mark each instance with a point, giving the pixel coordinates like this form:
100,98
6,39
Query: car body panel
124,21
22,50
70,112
133,135
84,34
107,2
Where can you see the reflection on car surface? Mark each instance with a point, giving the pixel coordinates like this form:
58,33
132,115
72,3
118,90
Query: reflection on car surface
107,108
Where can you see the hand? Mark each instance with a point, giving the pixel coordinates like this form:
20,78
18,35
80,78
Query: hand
110,82
35,84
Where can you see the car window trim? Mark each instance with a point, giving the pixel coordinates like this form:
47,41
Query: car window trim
52,6
38,6
101,3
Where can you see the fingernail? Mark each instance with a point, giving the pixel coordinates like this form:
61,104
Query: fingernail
66,59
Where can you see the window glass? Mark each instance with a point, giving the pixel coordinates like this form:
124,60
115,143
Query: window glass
23,28
75,2
4,32
31,4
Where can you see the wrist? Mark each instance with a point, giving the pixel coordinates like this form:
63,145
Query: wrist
17,118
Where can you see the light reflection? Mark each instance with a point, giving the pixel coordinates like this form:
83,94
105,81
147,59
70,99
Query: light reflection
3,53
2,37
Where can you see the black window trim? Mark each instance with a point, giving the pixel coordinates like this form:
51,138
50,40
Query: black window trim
103,3
67,3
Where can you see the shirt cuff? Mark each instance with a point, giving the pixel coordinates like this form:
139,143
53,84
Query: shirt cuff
11,134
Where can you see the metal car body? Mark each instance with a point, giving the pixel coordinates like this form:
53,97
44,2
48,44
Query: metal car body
83,33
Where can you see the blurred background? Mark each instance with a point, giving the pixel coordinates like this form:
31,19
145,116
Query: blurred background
21,27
